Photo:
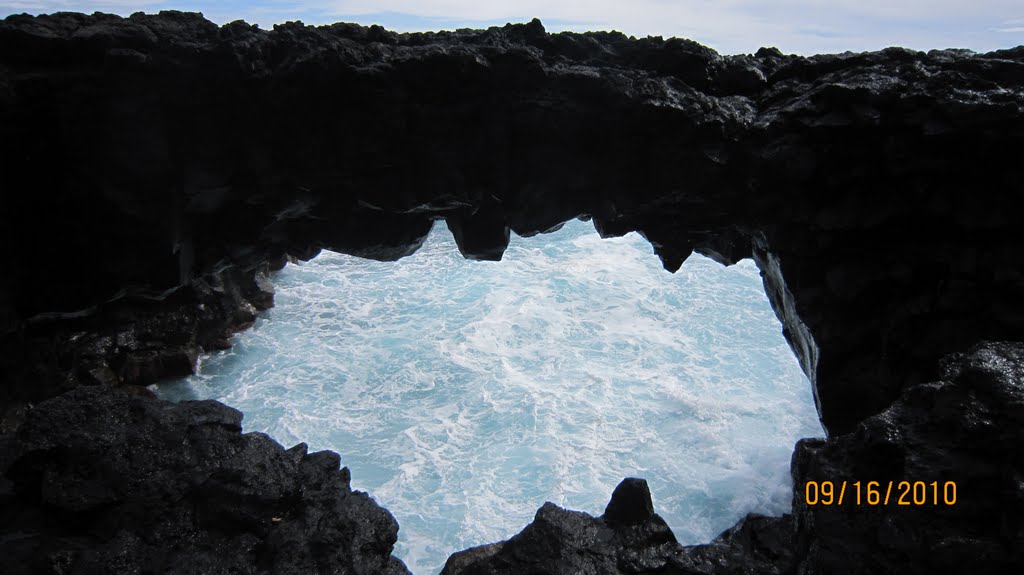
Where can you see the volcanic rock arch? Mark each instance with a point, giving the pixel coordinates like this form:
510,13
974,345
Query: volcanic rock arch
155,167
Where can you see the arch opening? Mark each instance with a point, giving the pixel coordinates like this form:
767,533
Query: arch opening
463,395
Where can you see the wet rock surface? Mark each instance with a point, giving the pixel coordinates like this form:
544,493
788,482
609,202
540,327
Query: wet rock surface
628,538
156,169
105,481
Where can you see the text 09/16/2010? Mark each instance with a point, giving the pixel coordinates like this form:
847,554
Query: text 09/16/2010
874,493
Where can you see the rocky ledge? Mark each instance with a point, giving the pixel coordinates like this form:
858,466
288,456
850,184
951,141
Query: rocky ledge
155,169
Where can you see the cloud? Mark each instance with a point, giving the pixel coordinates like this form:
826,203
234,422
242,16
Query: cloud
1012,26
730,26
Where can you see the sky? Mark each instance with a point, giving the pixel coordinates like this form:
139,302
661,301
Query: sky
729,26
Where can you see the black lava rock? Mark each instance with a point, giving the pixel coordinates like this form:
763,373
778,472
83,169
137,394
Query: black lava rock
106,481
630,504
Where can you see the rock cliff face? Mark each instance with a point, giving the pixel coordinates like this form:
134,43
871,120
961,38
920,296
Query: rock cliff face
155,169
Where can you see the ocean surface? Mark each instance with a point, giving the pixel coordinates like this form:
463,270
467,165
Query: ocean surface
463,395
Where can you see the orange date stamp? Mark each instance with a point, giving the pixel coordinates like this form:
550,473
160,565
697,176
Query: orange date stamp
880,493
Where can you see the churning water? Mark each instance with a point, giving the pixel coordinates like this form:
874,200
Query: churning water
463,395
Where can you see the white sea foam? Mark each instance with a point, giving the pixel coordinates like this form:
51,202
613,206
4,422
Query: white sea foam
463,395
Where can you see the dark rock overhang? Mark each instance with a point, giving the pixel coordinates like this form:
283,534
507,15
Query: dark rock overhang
875,190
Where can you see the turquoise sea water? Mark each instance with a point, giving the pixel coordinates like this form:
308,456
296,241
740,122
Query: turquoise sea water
463,395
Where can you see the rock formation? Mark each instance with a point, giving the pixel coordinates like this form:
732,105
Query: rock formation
154,170
105,481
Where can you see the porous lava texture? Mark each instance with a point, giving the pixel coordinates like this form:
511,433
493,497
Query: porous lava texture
156,169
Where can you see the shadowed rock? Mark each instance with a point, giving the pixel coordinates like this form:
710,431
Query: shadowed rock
563,541
956,433
630,504
103,481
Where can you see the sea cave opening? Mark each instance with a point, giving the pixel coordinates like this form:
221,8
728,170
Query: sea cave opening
462,395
